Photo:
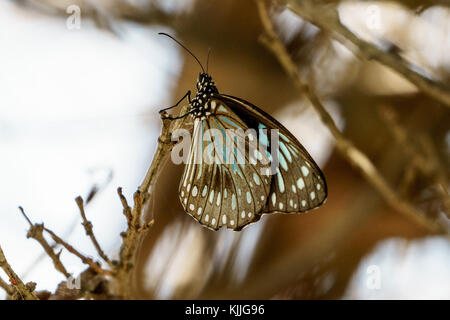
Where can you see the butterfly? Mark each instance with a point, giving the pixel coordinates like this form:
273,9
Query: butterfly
250,174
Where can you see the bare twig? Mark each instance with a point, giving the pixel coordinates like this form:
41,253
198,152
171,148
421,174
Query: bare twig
86,260
8,288
326,18
36,232
126,207
88,228
24,290
357,158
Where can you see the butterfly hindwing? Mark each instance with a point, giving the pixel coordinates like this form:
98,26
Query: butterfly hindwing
298,184
231,190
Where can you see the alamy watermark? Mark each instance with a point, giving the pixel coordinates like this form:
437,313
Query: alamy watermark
73,22
231,146
373,281
373,17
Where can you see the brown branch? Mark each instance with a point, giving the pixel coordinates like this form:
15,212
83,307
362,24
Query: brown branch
423,159
133,236
25,291
326,18
88,228
126,207
352,154
36,232
86,260
8,288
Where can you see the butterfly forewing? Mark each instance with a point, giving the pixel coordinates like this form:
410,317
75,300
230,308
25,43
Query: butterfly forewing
223,182
298,184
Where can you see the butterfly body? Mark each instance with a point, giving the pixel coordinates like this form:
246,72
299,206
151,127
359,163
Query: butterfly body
236,193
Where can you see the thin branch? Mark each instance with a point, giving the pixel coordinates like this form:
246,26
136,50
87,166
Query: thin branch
424,159
352,154
126,207
88,228
36,232
86,260
326,18
24,290
8,288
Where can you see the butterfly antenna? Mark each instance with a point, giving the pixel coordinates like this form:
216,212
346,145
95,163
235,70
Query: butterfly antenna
207,59
167,35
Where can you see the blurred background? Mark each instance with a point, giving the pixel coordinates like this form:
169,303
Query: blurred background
79,101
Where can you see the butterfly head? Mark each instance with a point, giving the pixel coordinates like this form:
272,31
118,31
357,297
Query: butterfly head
205,84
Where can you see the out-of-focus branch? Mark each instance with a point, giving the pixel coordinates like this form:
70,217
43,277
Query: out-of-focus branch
424,159
352,154
25,291
326,18
88,228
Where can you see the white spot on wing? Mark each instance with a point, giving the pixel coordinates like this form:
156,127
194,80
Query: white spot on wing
305,171
256,179
300,183
218,199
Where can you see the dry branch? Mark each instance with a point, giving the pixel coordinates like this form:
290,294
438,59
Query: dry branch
326,18
133,236
25,291
86,260
36,232
8,288
346,148
88,228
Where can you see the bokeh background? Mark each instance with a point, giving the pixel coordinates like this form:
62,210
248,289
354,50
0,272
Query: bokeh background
79,113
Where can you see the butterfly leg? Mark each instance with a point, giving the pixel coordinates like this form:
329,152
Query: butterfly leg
179,117
188,95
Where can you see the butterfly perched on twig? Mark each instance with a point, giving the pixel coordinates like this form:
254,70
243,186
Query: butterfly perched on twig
256,165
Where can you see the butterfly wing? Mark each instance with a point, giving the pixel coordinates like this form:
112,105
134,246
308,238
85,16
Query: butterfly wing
298,185
231,190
